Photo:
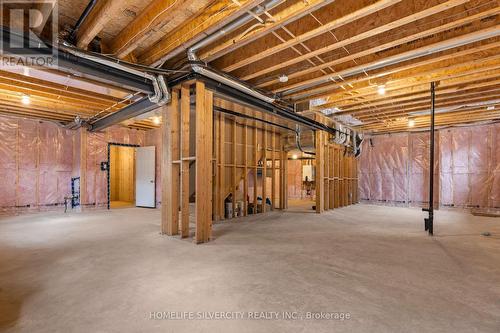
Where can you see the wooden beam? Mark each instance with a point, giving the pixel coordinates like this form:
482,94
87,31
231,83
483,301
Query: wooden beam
378,74
97,19
170,203
462,71
359,37
425,51
320,171
159,18
356,15
285,16
204,105
185,114
210,20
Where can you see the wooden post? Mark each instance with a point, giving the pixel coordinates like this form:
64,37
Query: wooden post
326,155
284,176
255,171
234,181
83,166
222,168
320,169
273,169
245,169
204,107
264,170
185,113
169,220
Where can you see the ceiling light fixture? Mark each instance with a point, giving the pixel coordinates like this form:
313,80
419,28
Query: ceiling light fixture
490,108
156,120
283,78
411,122
294,157
25,100
381,90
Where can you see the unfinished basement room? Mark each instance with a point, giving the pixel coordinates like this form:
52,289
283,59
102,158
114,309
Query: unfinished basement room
250,166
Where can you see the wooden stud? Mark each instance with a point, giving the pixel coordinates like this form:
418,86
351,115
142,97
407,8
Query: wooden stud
169,225
185,117
320,170
204,104
245,169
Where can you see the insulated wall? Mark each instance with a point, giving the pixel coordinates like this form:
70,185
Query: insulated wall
39,158
36,164
394,169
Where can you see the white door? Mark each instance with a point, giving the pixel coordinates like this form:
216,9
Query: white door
145,178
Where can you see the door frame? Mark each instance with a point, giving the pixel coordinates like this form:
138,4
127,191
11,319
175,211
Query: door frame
108,169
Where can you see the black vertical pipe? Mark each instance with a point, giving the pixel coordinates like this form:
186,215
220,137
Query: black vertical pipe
82,18
430,226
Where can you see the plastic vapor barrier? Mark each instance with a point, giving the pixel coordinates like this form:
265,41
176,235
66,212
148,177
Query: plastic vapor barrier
394,169
39,158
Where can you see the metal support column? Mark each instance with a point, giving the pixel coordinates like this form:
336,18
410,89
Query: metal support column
429,222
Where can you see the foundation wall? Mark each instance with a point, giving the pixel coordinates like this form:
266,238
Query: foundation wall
394,169
39,158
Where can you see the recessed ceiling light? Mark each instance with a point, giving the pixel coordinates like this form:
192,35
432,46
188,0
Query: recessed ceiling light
411,122
283,78
381,90
25,100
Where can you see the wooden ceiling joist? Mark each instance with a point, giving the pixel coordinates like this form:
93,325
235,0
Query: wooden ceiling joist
157,19
423,51
421,96
286,15
357,37
97,19
211,19
358,14
458,70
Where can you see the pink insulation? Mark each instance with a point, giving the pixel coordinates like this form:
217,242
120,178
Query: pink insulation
383,172
394,168
39,158
36,159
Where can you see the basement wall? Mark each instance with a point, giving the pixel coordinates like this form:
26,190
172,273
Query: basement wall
394,168
39,158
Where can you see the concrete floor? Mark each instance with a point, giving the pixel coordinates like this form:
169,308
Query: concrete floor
107,271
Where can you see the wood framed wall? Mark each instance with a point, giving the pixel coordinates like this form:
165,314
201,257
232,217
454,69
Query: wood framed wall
249,163
232,155
239,154
337,175
176,161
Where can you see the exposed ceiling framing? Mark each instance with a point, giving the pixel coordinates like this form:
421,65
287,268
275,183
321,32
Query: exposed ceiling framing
371,60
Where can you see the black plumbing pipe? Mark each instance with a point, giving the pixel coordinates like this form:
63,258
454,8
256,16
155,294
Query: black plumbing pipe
429,222
82,18
236,114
